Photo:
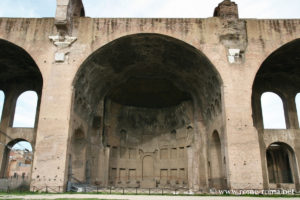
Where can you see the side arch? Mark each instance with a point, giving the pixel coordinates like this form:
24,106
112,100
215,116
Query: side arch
268,53
17,65
281,165
279,73
18,73
4,173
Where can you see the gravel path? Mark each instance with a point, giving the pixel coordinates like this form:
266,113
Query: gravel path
133,197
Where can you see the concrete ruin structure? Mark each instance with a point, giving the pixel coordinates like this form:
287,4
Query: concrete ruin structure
153,102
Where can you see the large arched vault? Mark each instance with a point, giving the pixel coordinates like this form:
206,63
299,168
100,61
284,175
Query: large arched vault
163,71
144,96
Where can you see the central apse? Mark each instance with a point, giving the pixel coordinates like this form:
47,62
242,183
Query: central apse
142,106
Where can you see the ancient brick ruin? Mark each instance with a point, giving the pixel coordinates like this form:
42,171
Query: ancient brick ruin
154,102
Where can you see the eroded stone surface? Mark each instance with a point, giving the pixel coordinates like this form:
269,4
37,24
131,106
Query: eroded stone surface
153,102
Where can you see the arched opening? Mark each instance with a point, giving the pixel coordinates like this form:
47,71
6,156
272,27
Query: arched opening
216,172
279,73
18,69
25,113
18,157
18,73
297,100
140,95
2,98
280,162
272,111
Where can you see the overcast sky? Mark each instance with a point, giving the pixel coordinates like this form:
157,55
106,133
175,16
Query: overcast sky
155,8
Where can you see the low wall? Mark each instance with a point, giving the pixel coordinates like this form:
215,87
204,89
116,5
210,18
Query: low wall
17,184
